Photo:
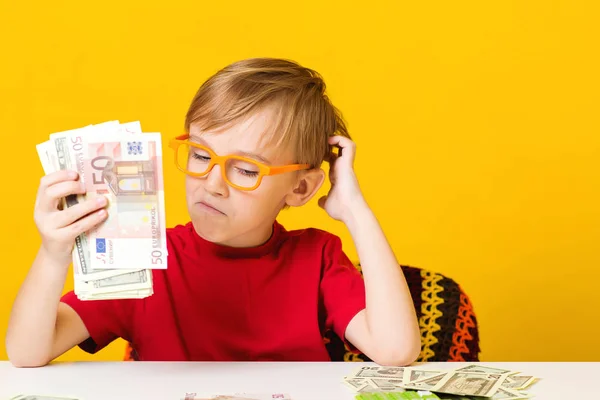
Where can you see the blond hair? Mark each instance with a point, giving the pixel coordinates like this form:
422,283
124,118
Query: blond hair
304,117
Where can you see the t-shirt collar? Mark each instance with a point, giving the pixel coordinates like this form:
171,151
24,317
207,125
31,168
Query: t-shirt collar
239,252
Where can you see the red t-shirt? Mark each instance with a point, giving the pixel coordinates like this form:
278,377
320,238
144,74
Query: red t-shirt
213,303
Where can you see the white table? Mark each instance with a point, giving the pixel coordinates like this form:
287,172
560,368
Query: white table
303,381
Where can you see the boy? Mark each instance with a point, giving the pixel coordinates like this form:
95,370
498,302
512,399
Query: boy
238,286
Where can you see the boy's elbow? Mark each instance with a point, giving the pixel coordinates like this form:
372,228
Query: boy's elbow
22,358
27,361
397,355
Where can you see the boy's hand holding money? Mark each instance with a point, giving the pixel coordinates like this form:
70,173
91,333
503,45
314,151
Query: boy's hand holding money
59,227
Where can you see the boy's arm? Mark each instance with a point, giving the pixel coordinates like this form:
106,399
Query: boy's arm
42,328
387,330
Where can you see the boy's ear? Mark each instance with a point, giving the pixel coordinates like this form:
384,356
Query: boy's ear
306,187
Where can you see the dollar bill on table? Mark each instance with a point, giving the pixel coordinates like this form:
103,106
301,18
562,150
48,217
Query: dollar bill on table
483,369
501,394
128,172
468,384
519,382
474,381
384,379
375,379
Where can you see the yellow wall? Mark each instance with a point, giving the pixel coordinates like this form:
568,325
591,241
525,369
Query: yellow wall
476,124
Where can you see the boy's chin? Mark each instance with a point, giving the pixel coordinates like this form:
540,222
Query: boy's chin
210,233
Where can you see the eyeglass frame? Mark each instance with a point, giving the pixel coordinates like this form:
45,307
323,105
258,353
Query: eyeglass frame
215,159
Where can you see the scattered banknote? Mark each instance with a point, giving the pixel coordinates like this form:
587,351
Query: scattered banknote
118,161
518,382
467,383
470,382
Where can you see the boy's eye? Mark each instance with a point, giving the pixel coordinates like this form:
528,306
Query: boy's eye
200,157
246,172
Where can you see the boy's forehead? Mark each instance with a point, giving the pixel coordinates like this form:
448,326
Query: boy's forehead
249,135
249,130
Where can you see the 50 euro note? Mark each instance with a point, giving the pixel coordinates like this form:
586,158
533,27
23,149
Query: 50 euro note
70,149
127,170
67,150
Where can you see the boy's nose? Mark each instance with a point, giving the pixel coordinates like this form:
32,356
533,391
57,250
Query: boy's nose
215,184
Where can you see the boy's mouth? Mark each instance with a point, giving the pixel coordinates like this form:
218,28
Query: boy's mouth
210,209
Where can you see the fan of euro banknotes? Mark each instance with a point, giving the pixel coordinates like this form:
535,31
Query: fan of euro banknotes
466,383
114,260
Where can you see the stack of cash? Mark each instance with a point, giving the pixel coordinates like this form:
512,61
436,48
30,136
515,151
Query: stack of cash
115,259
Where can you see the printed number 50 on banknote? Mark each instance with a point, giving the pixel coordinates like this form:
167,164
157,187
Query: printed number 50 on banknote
128,171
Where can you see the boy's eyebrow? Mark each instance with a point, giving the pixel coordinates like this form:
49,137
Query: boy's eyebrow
258,157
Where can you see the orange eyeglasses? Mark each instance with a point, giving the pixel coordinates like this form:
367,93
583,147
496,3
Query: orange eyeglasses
240,172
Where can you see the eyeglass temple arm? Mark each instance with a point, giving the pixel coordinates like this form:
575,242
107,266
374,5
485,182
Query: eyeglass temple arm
288,168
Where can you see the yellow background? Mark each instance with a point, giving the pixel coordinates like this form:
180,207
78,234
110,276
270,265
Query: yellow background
476,124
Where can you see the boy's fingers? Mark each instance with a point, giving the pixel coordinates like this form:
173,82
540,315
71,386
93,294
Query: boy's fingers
58,176
72,214
63,189
347,148
331,157
57,191
341,141
85,224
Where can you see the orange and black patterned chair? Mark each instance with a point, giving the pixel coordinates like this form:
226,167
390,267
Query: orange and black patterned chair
449,330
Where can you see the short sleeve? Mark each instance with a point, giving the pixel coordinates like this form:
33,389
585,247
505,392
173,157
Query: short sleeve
342,289
105,320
